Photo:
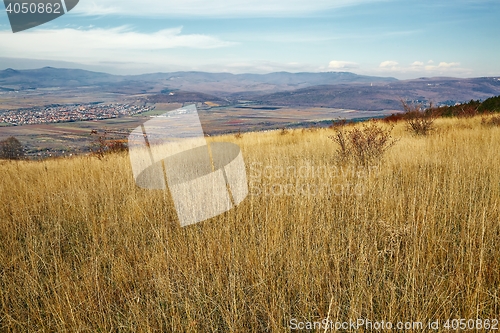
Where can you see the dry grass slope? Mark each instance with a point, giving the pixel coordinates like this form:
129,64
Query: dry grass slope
83,249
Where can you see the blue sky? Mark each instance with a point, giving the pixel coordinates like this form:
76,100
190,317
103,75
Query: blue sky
403,38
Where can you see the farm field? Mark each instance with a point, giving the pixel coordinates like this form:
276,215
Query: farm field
70,138
413,238
61,139
37,97
222,120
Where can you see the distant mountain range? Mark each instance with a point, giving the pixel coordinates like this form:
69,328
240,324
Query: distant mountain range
219,84
440,91
326,89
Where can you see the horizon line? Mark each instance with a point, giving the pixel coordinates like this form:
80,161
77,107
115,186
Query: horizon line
249,73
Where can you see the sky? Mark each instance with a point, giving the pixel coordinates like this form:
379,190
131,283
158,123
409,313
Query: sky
397,38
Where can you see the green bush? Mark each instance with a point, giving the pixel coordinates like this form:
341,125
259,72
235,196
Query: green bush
490,105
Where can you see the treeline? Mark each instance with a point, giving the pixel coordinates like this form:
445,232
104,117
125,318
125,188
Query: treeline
470,109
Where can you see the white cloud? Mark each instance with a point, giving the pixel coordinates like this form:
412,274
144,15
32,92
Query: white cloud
389,64
448,64
234,8
125,51
336,64
430,61
443,66
101,45
420,68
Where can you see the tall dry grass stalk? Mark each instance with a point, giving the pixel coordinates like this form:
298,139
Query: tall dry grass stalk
416,238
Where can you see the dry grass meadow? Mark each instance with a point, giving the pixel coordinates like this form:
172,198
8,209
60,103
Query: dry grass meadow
413,238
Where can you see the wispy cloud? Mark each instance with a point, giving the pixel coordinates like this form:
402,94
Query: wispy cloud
97,45
264,66
94,9
442,66
233,8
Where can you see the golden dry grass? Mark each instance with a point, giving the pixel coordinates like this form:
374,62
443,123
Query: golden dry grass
83,249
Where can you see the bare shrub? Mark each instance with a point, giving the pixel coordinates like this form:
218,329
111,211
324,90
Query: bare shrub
103,144
115,146
493,121
393,118
11,149
419,120
468,110
337,123
363,146
238,135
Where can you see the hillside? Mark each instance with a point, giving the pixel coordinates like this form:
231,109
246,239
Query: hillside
48,77
412,238
220,84
177,96
440,91
325,89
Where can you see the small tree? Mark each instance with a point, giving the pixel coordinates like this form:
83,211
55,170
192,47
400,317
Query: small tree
419,120
11,149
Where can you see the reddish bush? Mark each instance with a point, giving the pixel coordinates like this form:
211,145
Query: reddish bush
393,118
103,144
